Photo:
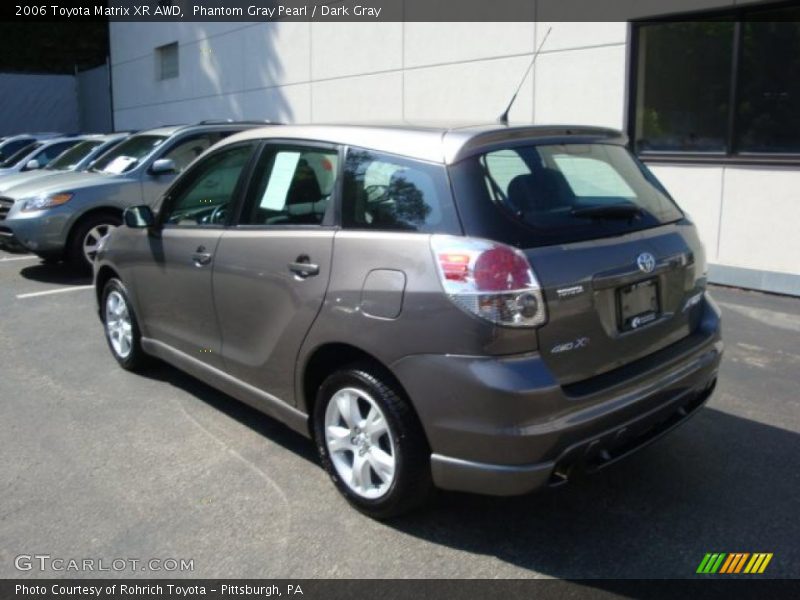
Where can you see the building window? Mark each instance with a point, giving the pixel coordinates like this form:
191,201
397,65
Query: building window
718,87
167,61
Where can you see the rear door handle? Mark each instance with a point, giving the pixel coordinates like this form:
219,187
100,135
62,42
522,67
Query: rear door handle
200,257
303,267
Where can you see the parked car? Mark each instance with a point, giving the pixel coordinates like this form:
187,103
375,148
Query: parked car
483,309
13,143
36,155
65,216
76,158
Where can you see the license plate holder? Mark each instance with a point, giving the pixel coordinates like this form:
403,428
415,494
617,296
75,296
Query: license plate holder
638,304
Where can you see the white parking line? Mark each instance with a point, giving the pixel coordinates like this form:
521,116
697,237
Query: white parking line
2,260
58,291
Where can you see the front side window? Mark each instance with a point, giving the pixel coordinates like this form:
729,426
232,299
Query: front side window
292,186
719,87
128,154
205,195
70,159
550,194
387,192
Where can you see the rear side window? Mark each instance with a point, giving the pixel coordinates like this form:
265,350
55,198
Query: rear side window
390,193
552,194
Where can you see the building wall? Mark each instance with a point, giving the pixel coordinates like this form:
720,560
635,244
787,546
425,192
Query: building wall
322,72
94,101
38,103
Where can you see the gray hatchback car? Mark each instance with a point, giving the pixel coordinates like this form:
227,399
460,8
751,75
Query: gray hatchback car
485,309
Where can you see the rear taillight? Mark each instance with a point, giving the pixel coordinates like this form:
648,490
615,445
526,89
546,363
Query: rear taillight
490,280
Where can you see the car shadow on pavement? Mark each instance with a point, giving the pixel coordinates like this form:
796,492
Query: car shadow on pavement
239,411
56,273
720,483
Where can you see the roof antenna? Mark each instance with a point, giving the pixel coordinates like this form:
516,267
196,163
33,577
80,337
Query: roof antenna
503,119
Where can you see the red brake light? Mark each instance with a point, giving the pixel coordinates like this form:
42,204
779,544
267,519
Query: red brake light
490,280
500,269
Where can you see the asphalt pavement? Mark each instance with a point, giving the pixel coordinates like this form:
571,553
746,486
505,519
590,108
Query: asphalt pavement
98,463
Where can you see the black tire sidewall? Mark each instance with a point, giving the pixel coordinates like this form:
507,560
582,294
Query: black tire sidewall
136,356
411,482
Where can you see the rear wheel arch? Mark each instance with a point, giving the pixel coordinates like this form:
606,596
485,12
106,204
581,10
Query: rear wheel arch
104,274
331,357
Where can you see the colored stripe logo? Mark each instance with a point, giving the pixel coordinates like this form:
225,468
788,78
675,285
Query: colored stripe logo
734,563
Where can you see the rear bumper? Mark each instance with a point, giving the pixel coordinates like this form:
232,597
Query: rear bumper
504,426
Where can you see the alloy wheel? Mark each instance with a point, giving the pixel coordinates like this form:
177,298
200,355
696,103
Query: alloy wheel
359,443
92,239
118,324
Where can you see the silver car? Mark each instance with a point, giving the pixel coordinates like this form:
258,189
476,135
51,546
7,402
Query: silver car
76,158
12,143
36,155
65,216
485,309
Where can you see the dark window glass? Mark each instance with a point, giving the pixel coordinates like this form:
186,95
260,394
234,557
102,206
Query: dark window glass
683,86
387,192
70,159
10,148
292,186
768,98
205,196
20,154
719,86
52,151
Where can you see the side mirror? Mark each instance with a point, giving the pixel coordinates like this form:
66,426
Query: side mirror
139,217
163,166
32,165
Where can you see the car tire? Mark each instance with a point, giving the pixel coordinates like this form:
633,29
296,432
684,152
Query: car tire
86,234
378,456
121,327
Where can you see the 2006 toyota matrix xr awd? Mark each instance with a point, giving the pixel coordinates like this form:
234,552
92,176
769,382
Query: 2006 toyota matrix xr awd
485,309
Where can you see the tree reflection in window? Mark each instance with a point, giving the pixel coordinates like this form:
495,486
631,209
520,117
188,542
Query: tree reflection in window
388,192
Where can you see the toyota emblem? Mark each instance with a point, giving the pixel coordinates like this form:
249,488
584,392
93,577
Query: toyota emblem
646,262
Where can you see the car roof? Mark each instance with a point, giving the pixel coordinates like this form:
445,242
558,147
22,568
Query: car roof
59,140
442,143
168,130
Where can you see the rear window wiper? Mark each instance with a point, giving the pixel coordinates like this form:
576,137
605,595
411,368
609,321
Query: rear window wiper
608,211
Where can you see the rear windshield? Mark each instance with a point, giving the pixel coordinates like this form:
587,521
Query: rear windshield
552,194
70,159
128,154
20,154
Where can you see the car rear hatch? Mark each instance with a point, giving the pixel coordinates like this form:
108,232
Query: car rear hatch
620,266
605,309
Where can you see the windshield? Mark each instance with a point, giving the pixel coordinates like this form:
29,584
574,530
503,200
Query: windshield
20,154
70,159
127,155
552,194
